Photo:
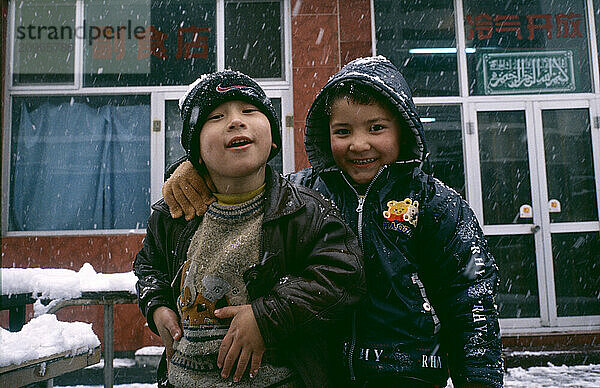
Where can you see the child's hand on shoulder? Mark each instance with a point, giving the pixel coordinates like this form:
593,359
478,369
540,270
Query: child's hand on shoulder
243,340
187,193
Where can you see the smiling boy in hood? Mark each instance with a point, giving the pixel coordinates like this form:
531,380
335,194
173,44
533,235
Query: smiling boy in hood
264,277
431,281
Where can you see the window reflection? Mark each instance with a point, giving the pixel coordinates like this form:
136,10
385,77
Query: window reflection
443,135
418,37
505,178
577,273
569,165
253,44
518,292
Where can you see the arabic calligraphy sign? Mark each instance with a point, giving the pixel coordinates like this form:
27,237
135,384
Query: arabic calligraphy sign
528,72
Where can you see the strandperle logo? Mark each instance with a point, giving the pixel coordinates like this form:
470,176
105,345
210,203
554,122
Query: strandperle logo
89,32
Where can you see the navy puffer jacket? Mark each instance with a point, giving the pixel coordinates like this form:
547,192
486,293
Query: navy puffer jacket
431,279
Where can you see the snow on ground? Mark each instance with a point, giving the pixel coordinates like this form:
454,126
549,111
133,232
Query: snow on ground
580,376
44,336
150,351
57,283
554,376
117,363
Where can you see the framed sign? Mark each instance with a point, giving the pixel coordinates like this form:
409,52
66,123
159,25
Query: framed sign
528,72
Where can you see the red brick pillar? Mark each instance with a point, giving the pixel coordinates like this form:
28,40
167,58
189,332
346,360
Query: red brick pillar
325,35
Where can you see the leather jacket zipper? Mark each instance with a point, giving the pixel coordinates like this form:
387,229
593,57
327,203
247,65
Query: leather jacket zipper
351,350
359,209
361,201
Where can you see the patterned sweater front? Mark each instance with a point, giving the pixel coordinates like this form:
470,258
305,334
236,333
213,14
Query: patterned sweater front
225,245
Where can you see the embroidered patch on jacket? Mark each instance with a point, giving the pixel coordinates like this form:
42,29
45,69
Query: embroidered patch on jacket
401,213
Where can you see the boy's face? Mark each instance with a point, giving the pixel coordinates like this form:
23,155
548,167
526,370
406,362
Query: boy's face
363,138
235,140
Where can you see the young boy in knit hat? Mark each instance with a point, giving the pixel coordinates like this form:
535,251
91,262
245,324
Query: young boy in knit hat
430,308
251,291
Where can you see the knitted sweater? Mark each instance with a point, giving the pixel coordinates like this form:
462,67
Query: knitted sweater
225,245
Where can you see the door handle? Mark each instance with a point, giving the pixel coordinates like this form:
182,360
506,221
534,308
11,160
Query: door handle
535,228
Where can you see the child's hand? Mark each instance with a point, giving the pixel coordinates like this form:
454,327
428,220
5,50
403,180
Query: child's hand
187,190
167,324
243,339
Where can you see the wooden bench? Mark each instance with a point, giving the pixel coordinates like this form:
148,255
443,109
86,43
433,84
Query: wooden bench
46,368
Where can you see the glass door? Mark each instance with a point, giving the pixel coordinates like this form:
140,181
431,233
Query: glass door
166,131
535,190
565,149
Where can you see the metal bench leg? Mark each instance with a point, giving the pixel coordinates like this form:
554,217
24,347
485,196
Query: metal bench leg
108,346
16,318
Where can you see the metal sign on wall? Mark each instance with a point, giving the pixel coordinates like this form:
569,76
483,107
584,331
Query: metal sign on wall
528,72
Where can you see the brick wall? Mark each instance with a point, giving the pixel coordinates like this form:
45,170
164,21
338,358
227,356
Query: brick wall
325,36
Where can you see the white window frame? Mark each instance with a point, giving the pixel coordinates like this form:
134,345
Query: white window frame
274,88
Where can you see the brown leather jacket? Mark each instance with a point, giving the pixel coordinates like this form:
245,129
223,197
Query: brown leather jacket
309,276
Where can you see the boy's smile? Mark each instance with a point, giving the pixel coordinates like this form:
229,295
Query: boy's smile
239,142
363,138
235,142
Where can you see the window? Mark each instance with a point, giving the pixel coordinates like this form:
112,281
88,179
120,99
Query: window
597,13
443,135
79,163
419,38
253,44
149,42
44,42
527,47
518,295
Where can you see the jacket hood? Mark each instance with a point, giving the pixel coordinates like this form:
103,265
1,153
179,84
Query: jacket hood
381,75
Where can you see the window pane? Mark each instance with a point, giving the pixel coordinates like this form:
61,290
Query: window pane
569,164
419,38
527,46
577,273
597,12
505,178
80,163
277,161
173,127
160,42
173,124
518,292
444,139
253,38
44,42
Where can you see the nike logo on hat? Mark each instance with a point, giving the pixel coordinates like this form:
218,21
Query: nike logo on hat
222,89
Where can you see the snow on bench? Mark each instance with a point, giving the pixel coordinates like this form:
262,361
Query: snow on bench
45,348
58,283
50,289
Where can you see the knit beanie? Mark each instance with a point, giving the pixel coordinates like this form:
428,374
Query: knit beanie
212,90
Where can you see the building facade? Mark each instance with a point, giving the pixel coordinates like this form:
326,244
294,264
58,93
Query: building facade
509,94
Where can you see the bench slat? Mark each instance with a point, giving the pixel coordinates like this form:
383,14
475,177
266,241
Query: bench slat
46,368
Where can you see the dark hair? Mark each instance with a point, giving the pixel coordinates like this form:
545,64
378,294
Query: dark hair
358,93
